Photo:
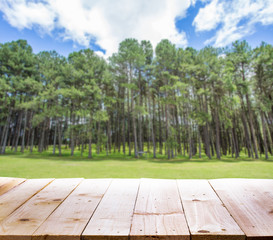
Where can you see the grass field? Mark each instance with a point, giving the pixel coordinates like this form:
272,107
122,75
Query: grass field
45,165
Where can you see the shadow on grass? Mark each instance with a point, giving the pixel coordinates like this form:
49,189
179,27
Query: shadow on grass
125,158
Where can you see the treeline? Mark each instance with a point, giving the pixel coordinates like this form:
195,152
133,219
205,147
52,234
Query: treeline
172,102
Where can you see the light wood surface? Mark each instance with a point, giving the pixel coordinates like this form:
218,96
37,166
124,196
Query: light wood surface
207,218
250,202
158,212
68,221
8,183
23,222
119,209
17,196
112,219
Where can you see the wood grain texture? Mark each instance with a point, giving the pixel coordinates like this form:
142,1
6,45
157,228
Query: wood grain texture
112,219
70,209
250,202
8,183
68,221
23,222
158,212
207,218
17,196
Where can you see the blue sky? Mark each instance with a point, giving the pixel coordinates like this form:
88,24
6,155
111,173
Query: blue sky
71,25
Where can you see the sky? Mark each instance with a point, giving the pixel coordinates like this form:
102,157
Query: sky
71,25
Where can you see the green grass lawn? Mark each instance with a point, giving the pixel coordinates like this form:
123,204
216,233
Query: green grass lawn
46,165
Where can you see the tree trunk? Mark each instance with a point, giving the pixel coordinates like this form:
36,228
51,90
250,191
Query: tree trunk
60,136
152,120
24,132
140,115
264,136
217,131
123,130
206,130
72,134
199,143
18,131
160,130
98,138
268,133
128,122
167,127
109,134
90,137
55,137
32,140
5,134
178,131
29,129
190,141
41,145
82,145
234,139
134,126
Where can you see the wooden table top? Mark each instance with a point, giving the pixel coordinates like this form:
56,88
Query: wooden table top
66,209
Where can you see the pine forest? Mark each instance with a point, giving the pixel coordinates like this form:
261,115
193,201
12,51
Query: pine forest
163,100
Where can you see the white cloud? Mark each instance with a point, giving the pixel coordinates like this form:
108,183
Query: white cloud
209,17
21,14
106,22
233,19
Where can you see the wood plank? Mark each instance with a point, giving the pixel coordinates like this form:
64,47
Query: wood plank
250,202
68,221
206,216
112,219
17,196
158,212
23,222
8,183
